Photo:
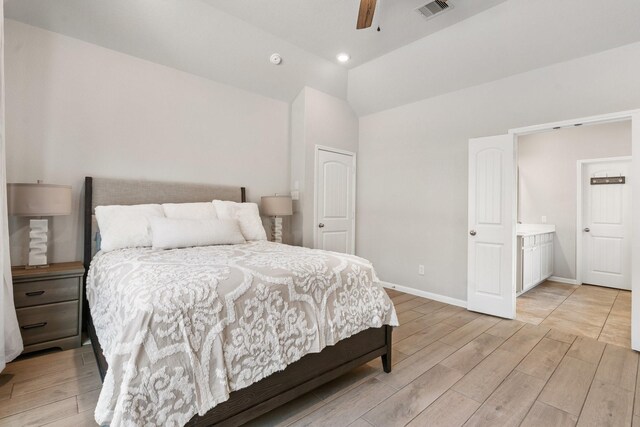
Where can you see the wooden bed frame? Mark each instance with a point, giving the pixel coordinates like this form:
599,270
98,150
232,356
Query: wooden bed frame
243,405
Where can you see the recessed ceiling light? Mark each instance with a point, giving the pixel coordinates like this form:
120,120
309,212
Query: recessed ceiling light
343,57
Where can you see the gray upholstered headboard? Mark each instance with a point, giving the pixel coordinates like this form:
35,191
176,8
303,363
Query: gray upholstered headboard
109,191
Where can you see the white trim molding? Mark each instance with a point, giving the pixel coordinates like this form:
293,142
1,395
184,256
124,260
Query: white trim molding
563,280
425,294
635,242
602,118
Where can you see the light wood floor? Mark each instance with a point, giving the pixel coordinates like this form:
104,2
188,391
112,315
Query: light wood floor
451,367
600,313
56,389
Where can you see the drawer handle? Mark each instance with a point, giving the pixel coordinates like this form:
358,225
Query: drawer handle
35,325
34,293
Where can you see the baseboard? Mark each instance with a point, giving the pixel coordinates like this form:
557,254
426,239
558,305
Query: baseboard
563,280
425,294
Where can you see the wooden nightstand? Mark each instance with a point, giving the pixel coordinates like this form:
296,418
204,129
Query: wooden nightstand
49,305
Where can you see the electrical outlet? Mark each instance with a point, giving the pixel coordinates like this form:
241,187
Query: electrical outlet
544,219
421,270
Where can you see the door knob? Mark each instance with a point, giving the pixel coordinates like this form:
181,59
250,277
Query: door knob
472,232
321,225
586,230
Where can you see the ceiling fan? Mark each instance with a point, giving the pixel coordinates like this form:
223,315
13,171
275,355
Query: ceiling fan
368,8
365,15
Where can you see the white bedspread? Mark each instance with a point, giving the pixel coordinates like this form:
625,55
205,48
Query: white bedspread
182,328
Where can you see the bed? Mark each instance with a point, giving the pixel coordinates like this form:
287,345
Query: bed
220,335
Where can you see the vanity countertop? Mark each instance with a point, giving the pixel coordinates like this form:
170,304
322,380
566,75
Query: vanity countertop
534,229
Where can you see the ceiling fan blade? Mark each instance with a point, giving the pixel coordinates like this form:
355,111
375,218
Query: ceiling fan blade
365,15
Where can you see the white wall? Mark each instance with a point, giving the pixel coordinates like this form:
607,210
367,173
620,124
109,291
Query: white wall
76,109
412,177
547,186
316,119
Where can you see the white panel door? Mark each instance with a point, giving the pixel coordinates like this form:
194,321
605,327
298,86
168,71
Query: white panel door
606,221
491,233
335,199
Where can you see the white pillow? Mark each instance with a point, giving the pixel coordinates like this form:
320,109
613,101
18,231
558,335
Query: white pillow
126,226
204,210
170,233
247,215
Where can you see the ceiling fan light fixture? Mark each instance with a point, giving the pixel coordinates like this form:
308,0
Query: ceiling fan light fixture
343,57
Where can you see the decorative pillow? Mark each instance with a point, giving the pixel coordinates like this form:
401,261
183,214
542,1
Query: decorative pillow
204,210
170,233
246,214
126,226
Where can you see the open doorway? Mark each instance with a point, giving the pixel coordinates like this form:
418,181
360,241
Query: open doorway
492,257
574,233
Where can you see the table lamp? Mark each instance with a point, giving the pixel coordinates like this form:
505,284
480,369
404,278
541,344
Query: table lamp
277,207
38,200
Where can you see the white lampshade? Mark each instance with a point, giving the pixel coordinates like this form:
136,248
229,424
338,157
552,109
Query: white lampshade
276,206
38,199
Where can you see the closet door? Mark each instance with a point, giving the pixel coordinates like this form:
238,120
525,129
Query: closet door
335,201
607,224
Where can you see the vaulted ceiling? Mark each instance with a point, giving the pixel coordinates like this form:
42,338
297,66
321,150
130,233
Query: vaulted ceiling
511,38
188,35
327,27
230,41
411,58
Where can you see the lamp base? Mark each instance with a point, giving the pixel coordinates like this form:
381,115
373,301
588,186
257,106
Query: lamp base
277,229
38,229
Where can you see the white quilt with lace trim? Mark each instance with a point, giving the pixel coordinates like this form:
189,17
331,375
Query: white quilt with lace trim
182,328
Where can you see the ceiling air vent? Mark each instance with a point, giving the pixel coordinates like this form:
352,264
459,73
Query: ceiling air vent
434,8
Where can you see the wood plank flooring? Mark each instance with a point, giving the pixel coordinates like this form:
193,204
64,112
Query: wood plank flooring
58,389
603,314
460,368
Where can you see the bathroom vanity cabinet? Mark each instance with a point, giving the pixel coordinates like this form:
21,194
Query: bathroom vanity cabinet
535,257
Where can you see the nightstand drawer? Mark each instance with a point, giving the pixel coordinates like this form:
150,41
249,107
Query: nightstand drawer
48,322
39,292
